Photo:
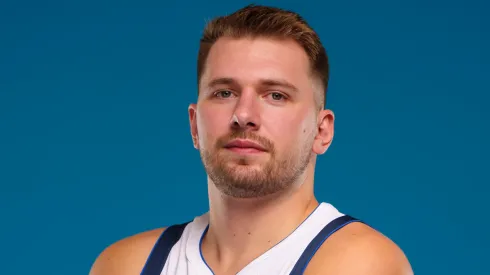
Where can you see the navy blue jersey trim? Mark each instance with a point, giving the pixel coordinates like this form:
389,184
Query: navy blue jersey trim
159,254
321,237
200,249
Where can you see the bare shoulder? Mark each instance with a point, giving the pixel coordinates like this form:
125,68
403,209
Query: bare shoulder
359,249
127,256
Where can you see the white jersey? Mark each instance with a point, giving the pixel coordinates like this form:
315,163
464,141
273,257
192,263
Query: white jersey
180,252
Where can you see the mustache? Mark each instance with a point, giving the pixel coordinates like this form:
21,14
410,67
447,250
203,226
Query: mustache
264,142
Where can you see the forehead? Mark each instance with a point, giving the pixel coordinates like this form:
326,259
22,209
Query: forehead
247,60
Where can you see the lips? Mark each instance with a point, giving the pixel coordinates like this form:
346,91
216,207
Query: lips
244,144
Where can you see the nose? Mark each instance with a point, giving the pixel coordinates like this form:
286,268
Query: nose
247,112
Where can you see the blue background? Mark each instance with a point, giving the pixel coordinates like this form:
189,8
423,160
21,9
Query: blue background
95,143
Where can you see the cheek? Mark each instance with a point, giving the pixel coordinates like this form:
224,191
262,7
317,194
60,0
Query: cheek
211,125
292,131
285,130
309,129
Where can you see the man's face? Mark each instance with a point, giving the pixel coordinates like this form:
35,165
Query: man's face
256,122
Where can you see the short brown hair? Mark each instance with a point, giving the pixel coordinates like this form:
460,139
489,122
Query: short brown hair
264,21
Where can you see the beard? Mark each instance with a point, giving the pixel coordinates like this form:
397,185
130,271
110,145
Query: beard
239,176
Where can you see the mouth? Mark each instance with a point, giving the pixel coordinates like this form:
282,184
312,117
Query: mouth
245,147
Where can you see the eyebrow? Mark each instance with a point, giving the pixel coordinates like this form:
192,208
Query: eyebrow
221,81
262,82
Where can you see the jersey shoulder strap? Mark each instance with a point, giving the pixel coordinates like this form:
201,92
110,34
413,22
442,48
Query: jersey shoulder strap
159,254
320,238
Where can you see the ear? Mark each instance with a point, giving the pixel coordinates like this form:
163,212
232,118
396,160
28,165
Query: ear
193,124
325,131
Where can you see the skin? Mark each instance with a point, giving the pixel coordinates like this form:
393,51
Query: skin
258,198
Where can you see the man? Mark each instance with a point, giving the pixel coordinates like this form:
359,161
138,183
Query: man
259,124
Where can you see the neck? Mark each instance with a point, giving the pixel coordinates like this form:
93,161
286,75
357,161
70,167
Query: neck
242,229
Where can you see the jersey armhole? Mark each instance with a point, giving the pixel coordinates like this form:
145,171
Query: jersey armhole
332,227
160,251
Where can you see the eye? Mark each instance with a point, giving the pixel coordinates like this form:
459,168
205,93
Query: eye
277,96
223,94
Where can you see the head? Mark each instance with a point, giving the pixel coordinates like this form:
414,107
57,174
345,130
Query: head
259,121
